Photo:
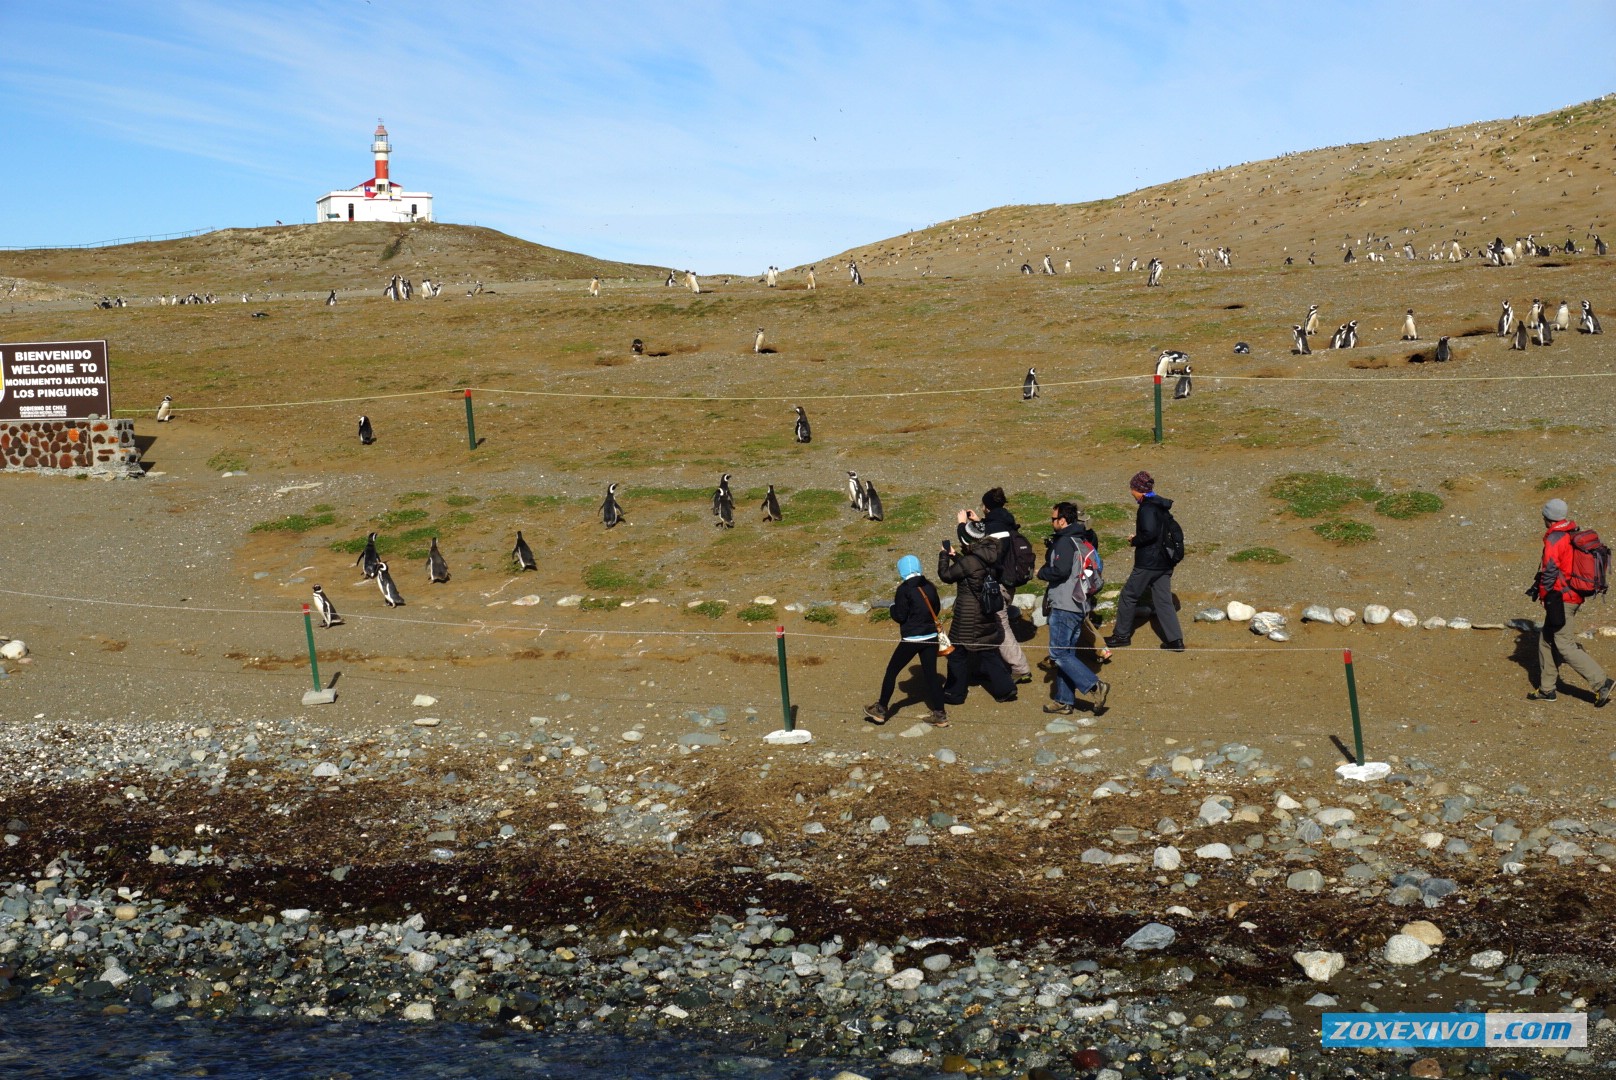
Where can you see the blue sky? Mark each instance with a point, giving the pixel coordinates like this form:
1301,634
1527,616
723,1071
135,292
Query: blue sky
724,137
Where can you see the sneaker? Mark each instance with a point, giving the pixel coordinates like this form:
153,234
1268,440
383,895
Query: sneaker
1550,695
1046,664
1102,690
938,718
1008,698
1116,642
1602,695
1024,678
1173,646
875,714
1055,708
1104,654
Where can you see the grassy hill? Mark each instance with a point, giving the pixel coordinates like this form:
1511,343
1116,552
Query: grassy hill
1540,174
295,258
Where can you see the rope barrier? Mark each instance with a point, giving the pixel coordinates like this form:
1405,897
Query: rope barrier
1003,389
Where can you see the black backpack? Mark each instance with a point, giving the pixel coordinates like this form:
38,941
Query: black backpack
1017,563
1172,539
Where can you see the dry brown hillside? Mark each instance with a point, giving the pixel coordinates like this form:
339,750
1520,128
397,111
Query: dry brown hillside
1541,175
293,258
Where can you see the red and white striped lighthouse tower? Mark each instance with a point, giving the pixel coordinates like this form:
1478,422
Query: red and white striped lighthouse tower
381,147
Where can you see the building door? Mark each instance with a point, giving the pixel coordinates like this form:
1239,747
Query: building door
350,211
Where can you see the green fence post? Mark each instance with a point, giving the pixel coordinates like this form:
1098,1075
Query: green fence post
1352,700
1158,411
471,427
785,685
308,629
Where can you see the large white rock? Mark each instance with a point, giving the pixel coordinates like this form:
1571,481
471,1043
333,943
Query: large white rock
1405,618
1266,622
1239,612
1344,616
1375,614
419,1010
1214,851
1405,950
15,649
1317,613
1459,622
1167,858
1435,622
907,979
1320,966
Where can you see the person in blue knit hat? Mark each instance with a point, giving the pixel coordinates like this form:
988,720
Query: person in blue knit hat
914,608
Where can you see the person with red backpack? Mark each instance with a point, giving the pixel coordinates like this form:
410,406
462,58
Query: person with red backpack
1572,569
1069,568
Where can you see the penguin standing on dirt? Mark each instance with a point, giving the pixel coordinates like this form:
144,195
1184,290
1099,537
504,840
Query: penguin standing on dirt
1519,343
1409,331
804,432
872,502
437,569
1310,324
165,408
1544,334
757,342
1352,334
523,554
1444,352
611,512
367,434
1029,385
721,495
1182,390
855,491
771,506
327,610
384,582
368,559
1300,347
1590,321
1506,319
331,298
1562,318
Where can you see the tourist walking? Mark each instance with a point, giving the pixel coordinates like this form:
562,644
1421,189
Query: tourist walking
1557,589
975,634
1069,567
1152,568
1002,526
914,609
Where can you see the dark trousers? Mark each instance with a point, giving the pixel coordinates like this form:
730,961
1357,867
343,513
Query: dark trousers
1159,584
906,651
966,666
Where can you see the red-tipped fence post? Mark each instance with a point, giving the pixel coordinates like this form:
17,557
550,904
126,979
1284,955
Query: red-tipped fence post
471,427
308,629
1158,411
1352,700
785,685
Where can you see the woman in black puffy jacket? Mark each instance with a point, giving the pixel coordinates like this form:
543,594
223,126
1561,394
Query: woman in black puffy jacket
976,636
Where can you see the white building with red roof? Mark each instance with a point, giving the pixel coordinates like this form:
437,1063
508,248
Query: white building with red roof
381,198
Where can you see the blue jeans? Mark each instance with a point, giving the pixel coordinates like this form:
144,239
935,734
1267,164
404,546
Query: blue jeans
1070,672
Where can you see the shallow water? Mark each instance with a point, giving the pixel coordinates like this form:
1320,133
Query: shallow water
59,1042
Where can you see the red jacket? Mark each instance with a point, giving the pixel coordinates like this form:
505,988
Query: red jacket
1554,572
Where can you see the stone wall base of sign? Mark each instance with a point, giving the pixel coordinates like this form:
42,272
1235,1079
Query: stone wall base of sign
97,447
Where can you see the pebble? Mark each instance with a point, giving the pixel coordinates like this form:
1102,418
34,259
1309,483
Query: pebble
566,601
632,735
907,979
1424,931
1214,851
1278,635
1266,622
1487,960
1405,949
1459,623
125,912
1320,966
1317,613
1405,618
1211,615
1435,622
428,721
1167,858
1375,614
15,649
915,731
324,770
1305,881
1151,936
419,1010
1214,812
1344,616
1239,612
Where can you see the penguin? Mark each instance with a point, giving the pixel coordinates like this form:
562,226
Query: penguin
1599,247
804,432
1506,319
367,434
1338,339
1351,339
1590,321
1535,314
523,554
1519,342
437,570
331,298
260,314
327,610
165,410
721,495
1409,331
1171,362
1029,385
1242,349
1544,333
771,506
1300,348
1443,352
1562,318
384,582
1026,268
368,559
1311,323
855,491
757,342
638,348
1182,390
610,512
872,502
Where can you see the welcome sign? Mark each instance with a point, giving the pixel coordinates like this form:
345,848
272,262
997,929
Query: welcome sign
54,380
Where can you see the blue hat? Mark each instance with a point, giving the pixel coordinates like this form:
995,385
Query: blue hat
908,567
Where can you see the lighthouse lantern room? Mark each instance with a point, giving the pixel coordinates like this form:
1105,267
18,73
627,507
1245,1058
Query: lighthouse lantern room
378,199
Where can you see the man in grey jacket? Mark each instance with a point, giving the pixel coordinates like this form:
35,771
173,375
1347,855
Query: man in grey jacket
1066,568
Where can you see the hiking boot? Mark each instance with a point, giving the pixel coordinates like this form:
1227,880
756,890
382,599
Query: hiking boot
1550,695
875,714
938,718
1602,695
1055,708
1024,678
1101,691
1173,646
1008,698
1116,641
1046,664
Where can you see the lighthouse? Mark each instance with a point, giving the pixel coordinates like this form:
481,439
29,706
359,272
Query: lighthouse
380,198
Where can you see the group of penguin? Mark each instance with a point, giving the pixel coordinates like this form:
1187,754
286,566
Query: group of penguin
1541,326
375,569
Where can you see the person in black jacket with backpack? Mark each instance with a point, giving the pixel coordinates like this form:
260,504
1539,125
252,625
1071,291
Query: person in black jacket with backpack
976,634
1001,525
914,608
1152,568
